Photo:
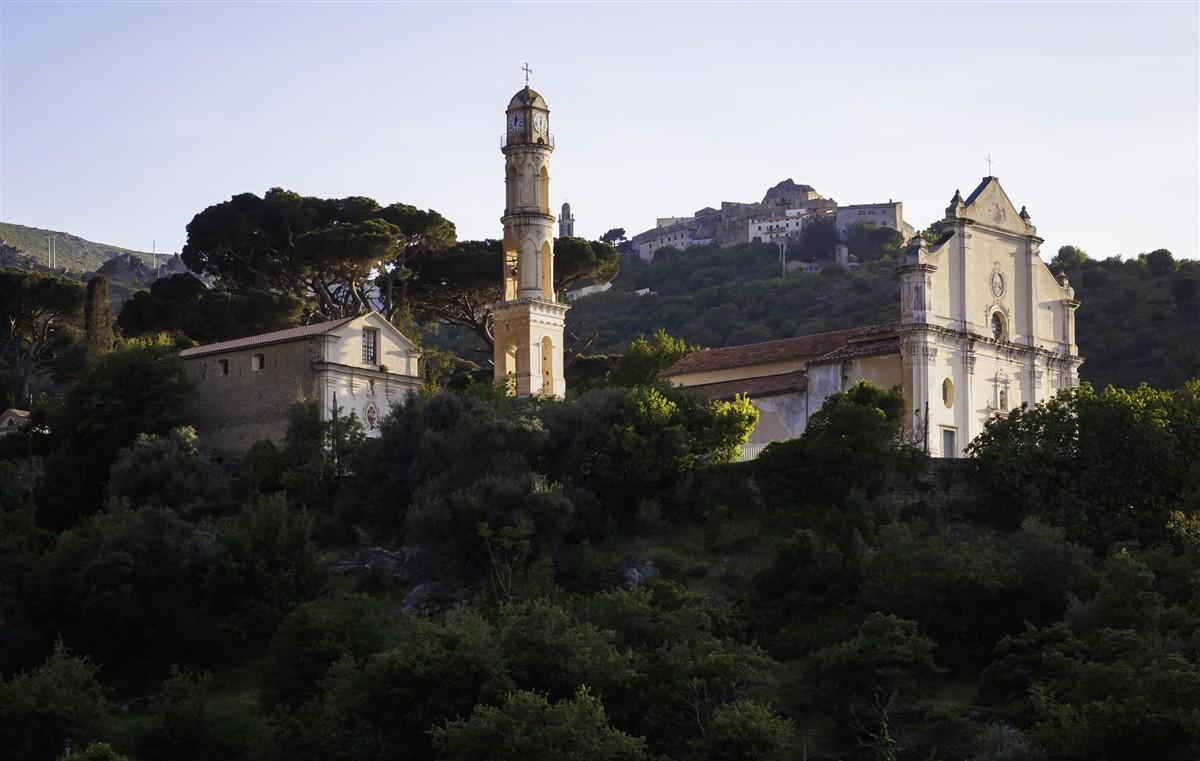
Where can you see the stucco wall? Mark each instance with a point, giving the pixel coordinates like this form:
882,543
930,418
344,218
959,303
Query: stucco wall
780,417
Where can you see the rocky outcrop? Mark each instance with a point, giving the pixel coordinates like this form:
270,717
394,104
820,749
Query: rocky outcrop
635,573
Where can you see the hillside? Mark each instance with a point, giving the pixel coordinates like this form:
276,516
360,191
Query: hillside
1139,319
72,252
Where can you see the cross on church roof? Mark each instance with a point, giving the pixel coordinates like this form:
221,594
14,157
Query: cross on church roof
527,71
989,162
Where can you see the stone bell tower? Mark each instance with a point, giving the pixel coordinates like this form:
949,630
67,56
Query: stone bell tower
528,322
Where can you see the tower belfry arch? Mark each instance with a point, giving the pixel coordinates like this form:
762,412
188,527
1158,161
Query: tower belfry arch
528,323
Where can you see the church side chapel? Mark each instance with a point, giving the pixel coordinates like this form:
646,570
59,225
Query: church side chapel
242,389
983,328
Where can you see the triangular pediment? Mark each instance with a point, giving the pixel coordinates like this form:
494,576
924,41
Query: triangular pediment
988,204
379,322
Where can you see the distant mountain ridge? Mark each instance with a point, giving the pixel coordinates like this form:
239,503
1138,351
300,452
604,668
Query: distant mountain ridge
72,253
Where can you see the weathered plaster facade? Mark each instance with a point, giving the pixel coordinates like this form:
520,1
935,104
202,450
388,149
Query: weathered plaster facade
241,390
985,326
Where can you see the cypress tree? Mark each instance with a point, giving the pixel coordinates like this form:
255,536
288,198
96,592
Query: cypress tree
97,320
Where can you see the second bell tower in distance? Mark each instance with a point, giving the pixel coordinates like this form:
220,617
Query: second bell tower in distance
528,323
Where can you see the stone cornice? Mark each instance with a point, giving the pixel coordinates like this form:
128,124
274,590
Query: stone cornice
536,305
969,340
528,217
1000,230
365,372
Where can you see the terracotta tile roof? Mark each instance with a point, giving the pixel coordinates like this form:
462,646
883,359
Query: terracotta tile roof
274,337
767,385
868,348
800,347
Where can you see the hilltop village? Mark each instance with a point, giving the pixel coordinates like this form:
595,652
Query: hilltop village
782,215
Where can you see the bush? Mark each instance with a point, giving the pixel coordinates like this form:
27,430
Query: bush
265,563
744,731
41,710
528,726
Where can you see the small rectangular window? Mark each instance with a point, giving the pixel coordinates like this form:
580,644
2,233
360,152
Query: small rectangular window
222,367
370,346
949,443
258,362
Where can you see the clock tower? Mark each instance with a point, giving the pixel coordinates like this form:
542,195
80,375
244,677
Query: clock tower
528,322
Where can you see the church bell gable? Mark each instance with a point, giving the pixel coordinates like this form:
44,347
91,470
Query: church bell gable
989,205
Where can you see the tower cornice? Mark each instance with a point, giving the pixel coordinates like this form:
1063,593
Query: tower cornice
528,217
527,148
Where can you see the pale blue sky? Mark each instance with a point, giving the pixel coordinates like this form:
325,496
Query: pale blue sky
122,120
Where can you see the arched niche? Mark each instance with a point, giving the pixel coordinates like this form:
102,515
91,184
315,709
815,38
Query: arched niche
544,190
546,266
510,187
547,366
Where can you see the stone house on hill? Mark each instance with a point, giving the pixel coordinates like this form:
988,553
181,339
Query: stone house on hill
242,389
983,328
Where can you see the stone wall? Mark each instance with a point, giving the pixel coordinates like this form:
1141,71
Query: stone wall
232,411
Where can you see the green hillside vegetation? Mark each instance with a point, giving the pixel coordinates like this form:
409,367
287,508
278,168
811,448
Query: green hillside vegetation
72,252
591,578
595,579
1139,319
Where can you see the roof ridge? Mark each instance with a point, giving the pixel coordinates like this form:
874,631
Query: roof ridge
797,338
271,336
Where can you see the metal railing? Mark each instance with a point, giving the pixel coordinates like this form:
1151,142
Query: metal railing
750,452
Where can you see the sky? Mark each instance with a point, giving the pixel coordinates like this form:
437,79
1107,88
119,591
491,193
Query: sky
120,121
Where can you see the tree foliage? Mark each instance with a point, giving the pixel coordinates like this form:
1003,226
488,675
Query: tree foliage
43,709
97,320
133,390
166,471
577,260
128,585
184,304
528,725
645,358
1106,466
345,253
265,563
41,322
851,444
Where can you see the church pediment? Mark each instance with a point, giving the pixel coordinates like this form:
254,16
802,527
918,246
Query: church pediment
990,205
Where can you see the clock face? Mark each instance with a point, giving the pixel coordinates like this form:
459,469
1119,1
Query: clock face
516,122
539,122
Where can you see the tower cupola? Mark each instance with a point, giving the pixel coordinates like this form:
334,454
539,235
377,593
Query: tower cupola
528,119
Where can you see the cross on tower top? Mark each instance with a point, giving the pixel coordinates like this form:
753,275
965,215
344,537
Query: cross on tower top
989,163
527,71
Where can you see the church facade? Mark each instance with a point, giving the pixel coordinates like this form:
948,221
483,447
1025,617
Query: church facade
983,327
241,390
